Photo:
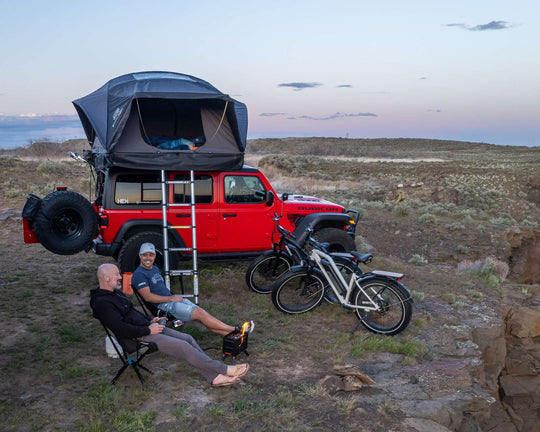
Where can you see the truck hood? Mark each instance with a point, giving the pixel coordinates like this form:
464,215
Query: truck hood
310,204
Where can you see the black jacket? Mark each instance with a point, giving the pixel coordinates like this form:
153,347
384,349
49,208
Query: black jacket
117,313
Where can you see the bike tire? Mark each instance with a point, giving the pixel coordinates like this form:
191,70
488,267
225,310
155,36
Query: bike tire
265,270
395,306
298,291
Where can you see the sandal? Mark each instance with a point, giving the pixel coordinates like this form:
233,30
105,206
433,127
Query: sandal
227,381
240,370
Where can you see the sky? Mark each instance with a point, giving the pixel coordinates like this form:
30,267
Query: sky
446,69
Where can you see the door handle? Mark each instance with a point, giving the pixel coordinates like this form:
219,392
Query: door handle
182,215
229,214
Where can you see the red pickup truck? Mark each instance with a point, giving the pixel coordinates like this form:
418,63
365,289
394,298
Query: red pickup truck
233,208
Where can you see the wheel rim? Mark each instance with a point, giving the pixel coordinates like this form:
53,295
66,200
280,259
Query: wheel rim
301,293
68,223
268,272
390,313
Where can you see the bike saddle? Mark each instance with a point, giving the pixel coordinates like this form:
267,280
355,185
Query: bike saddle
363,258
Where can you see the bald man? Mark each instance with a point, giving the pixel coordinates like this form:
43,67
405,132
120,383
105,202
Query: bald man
116,312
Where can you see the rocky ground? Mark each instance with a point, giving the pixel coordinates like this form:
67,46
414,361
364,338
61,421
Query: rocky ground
464,231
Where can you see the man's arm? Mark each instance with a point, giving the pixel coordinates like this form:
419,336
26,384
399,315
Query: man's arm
140,282
109,315
154,298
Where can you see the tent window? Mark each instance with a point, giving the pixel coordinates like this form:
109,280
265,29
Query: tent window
137,189
169,118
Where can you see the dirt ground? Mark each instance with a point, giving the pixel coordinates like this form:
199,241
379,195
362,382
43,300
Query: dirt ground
55,372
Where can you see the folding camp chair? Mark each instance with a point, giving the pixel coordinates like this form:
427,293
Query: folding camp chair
131,352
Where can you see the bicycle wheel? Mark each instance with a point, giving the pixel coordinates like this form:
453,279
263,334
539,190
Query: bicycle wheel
346,268
297,291
394,306
264,270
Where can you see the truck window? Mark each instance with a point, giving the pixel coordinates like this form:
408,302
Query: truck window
244,189
203,189
137,189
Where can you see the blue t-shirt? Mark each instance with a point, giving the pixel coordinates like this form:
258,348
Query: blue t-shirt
151,278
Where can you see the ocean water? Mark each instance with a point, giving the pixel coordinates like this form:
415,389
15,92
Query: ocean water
15,134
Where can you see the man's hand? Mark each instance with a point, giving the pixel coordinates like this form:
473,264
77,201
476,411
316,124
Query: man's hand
155,328
177,298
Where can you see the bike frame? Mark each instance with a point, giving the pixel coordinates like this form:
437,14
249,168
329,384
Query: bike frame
333,275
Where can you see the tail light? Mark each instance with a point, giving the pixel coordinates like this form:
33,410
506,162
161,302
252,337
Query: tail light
103,221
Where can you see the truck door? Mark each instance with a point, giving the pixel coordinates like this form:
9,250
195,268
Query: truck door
206,211
246,223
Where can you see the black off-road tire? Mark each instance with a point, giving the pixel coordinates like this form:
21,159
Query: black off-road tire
298,291
264,271
66,223
394,302
339,240
128,258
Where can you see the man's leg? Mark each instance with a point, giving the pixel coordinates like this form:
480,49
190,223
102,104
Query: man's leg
184,347
188,311
211,322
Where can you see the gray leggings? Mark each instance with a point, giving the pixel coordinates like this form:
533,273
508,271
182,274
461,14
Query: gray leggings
183,347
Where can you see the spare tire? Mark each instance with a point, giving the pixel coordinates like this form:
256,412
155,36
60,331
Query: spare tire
66,223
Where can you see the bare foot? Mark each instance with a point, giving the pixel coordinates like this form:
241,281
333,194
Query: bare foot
238,370
224,380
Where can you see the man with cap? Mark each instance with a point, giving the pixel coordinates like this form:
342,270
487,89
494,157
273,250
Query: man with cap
147,280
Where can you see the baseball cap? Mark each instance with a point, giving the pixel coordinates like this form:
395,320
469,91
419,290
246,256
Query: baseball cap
147,247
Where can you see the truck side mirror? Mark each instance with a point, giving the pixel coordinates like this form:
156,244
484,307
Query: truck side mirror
269,198
284,196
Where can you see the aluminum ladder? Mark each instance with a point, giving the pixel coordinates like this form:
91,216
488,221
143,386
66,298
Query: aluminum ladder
165,204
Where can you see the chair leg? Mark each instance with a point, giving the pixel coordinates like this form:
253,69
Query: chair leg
120,371
136,367
146,369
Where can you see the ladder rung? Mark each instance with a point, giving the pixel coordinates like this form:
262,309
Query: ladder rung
181,272
178,182
180,204
186,249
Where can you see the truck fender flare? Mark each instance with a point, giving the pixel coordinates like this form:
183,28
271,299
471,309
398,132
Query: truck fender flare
145,225
313,220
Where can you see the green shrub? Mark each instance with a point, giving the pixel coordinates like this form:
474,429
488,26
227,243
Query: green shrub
455,226
48,167
427,219
418,259
401,209
462,249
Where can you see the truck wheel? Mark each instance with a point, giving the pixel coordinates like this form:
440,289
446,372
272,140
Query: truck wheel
339,240
128,258
65,223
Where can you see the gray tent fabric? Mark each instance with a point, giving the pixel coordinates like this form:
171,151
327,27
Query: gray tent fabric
122,119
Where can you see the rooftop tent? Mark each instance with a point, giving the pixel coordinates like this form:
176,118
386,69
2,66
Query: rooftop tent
163,120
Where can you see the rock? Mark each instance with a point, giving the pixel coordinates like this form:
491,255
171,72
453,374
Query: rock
524,255
424,425
492,344
349,379
6,213
520,385
351,370
524,322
